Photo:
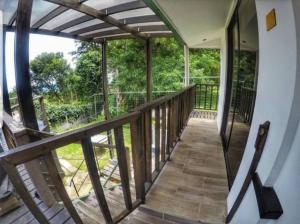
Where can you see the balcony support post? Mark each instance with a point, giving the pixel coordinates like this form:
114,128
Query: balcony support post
23,85
6,102
186,66
149,79
105,92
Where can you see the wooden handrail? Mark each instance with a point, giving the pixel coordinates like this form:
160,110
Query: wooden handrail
34,150
171,116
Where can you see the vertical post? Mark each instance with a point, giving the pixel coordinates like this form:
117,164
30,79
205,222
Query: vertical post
123,166
23,85
149,79
186,66
6,103
105,92
44,113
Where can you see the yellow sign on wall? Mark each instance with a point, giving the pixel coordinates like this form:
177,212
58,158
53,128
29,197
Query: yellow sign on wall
271,20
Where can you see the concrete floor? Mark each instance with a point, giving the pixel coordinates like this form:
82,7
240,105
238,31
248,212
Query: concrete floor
193,185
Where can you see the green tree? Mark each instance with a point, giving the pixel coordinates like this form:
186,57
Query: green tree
88,79
204,64
49,72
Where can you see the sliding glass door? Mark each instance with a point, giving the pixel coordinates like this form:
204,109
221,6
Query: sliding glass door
241,84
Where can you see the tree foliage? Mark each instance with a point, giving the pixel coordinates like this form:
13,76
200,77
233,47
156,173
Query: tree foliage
87,79
49,73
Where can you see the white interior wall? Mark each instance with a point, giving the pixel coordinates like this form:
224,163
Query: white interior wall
277,101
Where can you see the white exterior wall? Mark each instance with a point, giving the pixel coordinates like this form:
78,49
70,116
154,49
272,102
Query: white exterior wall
278,100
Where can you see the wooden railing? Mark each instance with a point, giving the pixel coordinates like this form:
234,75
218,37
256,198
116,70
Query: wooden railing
171,114
40,110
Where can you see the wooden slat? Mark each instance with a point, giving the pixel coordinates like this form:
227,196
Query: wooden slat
138,156
54,174
157,137
95,178
163,133
75,5
148,144
16,180
123,168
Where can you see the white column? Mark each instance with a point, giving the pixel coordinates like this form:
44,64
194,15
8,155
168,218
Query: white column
186,66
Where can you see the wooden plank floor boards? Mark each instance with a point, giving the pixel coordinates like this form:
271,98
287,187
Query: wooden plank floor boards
193,185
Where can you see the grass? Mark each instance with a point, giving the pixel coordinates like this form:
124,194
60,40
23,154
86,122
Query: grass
74,155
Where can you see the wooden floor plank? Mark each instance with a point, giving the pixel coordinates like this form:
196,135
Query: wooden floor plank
193,184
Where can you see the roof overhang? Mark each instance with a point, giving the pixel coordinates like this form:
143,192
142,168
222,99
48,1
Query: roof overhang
199,23
90,20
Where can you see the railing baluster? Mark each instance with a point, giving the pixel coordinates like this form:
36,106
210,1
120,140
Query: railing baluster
200,92
18,184
211,96
217,98
123,168
157,137
95,179
138,156
205,97
168,130
148,144
54,174
163,133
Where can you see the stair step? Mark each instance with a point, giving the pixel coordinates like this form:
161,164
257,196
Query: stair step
89,214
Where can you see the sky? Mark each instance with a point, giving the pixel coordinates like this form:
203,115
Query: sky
37,45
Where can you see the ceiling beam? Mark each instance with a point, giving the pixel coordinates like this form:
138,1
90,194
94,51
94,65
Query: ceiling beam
152,28
75,5
132,20
128,36
107,11
49,32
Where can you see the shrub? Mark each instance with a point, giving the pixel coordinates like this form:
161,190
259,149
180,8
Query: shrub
66,112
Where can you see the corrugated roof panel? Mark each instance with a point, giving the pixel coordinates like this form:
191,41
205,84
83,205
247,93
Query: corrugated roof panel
103,4
40,8
8,7
83,25
62,19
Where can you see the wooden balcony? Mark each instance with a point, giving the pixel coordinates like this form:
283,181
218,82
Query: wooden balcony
177,165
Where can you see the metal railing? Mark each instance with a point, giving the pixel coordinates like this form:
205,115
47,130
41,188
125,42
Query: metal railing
245,104
169,114
207,96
